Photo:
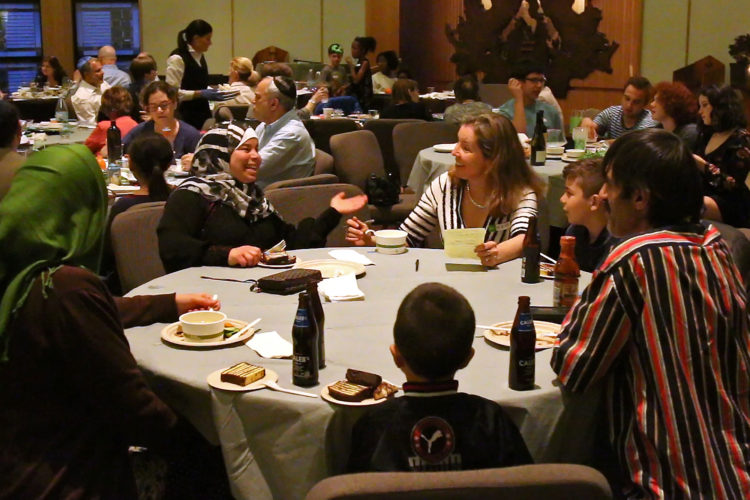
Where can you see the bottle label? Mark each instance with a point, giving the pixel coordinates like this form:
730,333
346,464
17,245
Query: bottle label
525,323
302,319
564,293
541,156
301,366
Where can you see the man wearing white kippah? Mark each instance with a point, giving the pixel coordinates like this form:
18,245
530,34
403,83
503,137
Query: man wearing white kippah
286,147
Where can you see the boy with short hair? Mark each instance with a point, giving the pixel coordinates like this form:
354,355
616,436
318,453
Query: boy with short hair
586,213
433,426
333,73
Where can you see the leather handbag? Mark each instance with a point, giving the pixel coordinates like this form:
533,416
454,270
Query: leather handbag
288,282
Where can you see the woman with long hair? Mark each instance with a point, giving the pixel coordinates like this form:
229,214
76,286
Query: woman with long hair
51,73
490,186
675,107
723,155
187,71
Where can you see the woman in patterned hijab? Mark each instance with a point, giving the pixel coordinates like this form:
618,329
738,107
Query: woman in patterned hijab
225,219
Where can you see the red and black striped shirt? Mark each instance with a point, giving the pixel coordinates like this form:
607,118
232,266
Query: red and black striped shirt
665,320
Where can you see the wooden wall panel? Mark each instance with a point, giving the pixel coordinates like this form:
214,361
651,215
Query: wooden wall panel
382,23
424,46
57,31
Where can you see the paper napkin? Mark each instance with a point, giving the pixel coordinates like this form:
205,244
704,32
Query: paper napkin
341,288
351,256
270,345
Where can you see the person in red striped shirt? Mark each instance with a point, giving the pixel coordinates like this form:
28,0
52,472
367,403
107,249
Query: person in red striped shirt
664,326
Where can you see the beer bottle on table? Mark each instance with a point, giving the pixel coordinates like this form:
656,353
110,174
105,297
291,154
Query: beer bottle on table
114,143
320,319
530,254
538,144
522,348
565,290
304,345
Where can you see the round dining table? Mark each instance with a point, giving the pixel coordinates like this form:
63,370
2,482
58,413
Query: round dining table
430,164
278,445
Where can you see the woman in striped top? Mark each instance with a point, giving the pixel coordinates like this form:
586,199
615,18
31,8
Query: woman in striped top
490,186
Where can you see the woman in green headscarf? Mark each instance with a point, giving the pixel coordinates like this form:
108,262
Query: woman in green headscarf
71,394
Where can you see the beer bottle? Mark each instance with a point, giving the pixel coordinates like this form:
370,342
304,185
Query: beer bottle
114,143
320,318
530,254
538,144
305,346
565,288
522,348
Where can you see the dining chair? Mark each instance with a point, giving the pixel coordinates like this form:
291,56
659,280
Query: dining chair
523,482
356,156
323,162
494,94
410,138
303,181
383,130
321,131
136,245
228,113
299,202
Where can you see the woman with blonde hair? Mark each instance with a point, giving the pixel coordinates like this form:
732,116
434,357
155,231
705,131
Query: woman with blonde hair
490,186
242,78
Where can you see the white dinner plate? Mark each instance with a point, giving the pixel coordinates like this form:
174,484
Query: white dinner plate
332,268
122,189
546,334
170,334
279,266
444,148
365,402
214,380
568,159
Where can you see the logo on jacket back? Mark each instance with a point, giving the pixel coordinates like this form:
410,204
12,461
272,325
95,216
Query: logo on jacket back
433,441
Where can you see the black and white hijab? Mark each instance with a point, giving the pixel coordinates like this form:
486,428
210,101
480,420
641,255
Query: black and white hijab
247,200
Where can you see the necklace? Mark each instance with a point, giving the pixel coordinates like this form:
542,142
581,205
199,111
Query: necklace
468,191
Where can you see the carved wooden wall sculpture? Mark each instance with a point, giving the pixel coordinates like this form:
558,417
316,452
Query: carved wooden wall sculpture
548,32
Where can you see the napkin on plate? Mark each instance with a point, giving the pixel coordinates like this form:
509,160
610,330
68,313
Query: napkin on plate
351,256
270,345
341,288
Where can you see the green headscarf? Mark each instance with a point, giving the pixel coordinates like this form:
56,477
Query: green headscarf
53,214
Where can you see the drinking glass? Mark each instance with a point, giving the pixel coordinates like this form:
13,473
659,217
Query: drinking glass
555,137
374,114
579,137
575,120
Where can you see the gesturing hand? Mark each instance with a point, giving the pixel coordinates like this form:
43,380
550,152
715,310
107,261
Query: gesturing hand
515,88
357,233
244,256
345,206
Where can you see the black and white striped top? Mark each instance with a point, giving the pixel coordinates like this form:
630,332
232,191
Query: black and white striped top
441,205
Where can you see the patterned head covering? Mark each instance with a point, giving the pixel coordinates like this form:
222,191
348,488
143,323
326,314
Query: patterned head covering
54,214
218,185
335,48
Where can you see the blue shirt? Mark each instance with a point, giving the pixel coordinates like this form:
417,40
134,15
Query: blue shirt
185,142
552,118
115,76
286,149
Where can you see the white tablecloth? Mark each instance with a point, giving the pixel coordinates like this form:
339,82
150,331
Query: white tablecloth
279,445
430,164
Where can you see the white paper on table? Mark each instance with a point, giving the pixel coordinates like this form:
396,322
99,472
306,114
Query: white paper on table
460,243
351,256
270,345
341,288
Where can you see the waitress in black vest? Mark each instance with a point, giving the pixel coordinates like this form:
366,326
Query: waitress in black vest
187,70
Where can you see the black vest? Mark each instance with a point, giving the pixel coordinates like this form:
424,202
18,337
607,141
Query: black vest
195,111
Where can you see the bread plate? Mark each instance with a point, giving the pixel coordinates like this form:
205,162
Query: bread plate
546,334
172,335
444,148
365,402
214,380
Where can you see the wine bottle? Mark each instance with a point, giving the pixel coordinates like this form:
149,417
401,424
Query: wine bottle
538,144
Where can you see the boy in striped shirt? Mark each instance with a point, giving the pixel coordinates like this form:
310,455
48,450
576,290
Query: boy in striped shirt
664,323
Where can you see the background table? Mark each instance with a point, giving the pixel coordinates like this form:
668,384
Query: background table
430,164
279,445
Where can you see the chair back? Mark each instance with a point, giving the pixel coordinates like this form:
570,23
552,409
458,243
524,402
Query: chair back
321,131
270,53
410,138
297,203
494,94
323,162
303,181
524,482
228,113
356,155
383,130
136,245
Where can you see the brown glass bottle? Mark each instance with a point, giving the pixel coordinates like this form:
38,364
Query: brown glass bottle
304,345
538,143
530,254
320,319
565,288
522,348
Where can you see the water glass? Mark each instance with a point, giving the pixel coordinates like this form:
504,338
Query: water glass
374,114
576,119
579,137
555,137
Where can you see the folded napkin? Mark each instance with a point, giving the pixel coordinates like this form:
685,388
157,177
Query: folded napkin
351,256
270,345
341,288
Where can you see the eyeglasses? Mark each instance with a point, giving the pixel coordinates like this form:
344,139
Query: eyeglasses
541,80
163,106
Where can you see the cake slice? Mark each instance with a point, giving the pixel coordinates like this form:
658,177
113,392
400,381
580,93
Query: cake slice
243,374
363,378
278,258
346,391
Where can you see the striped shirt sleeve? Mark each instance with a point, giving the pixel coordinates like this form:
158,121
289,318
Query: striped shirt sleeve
519,218
423,219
